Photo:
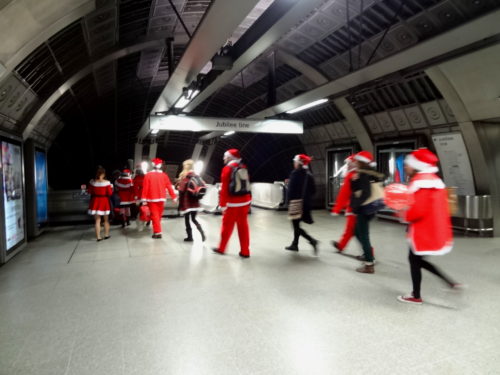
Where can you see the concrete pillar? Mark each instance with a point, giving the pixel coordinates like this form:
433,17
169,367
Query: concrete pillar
153,147
138,153
198,148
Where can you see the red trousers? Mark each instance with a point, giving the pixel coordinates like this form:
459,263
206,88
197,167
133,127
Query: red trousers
238,216
156,209
350,225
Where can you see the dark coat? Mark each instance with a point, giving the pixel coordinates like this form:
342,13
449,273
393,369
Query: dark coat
301,179
361,187
187,202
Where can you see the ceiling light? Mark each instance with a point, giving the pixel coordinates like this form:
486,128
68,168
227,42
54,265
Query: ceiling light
198,167
231,132
182,102
307,106
155,131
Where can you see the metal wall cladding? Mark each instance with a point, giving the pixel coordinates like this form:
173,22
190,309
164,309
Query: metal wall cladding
341,131
348,127
450,116
332,132
416,117
434,113
320,134
400,120
385,122
447,14
373,124
15,98
403,36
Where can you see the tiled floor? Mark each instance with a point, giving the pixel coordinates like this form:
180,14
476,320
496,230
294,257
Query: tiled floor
133,305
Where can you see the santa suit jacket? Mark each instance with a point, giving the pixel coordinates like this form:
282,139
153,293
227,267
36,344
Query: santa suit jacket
125,189
138,185
344,197
225,197
429,231
156,184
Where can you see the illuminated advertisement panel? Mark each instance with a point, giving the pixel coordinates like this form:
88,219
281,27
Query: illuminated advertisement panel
12,175
41,186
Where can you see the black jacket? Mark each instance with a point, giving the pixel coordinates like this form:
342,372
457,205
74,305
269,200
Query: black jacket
301,186
361,187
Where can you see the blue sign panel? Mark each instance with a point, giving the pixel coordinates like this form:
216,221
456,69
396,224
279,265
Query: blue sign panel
41,185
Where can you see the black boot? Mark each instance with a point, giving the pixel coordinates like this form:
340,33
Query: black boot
314,244
292,247
189,237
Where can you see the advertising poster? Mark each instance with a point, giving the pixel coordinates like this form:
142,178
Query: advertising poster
13,194
455,163
41,185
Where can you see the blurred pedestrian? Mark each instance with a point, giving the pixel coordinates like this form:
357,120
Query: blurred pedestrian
301,189
154,192
100,191
234,200
429,230
125,188
366,200
191,189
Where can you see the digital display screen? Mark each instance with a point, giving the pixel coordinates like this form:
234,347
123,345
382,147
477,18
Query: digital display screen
12,175
41,186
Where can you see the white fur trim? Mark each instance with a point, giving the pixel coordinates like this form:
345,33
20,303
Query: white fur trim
420,166
100,184
98,212
155,200
132,202
123,186
426,184
237,161
239,204
444,250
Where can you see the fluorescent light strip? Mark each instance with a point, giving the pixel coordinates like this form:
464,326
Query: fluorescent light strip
155,131
183,101
307,106
231,132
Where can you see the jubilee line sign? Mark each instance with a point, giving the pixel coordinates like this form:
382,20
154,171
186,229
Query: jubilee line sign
210,124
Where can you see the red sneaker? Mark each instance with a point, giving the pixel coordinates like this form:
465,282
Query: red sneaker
410,299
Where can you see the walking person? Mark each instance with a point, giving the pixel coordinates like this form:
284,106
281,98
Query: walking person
234,200
154,192
429,223
191,189
343,203
138,182
125,188
301,189
366,200
100,191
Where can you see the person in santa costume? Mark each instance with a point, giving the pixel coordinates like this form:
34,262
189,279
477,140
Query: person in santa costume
125,188
154,192
234,207
189,205
361,186
100,190
428,218
343,203
301,187
138,182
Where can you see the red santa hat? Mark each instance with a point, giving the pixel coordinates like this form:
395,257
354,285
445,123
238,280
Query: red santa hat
349,159
423,160
303,159
126,172
233,154
157,162
365,157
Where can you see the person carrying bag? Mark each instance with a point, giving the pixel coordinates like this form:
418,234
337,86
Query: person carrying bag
301,189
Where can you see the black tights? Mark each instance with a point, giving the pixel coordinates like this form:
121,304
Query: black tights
191,216
417,262
298,231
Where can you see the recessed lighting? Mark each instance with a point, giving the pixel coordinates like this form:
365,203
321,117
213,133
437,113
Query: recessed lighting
307,106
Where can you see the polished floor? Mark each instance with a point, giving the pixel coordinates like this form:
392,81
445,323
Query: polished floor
133,305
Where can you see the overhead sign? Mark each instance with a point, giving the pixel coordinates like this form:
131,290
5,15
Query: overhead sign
210,124
454,160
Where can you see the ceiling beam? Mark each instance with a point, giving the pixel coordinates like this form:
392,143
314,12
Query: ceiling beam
295,12
215,28
31,123
307,70
472,32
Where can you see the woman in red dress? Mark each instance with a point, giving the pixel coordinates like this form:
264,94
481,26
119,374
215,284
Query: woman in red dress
100,190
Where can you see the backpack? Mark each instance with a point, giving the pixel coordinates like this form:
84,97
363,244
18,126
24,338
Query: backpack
240,180
375,202
196,187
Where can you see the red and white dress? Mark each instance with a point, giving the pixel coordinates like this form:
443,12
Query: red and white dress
100,192
125,189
